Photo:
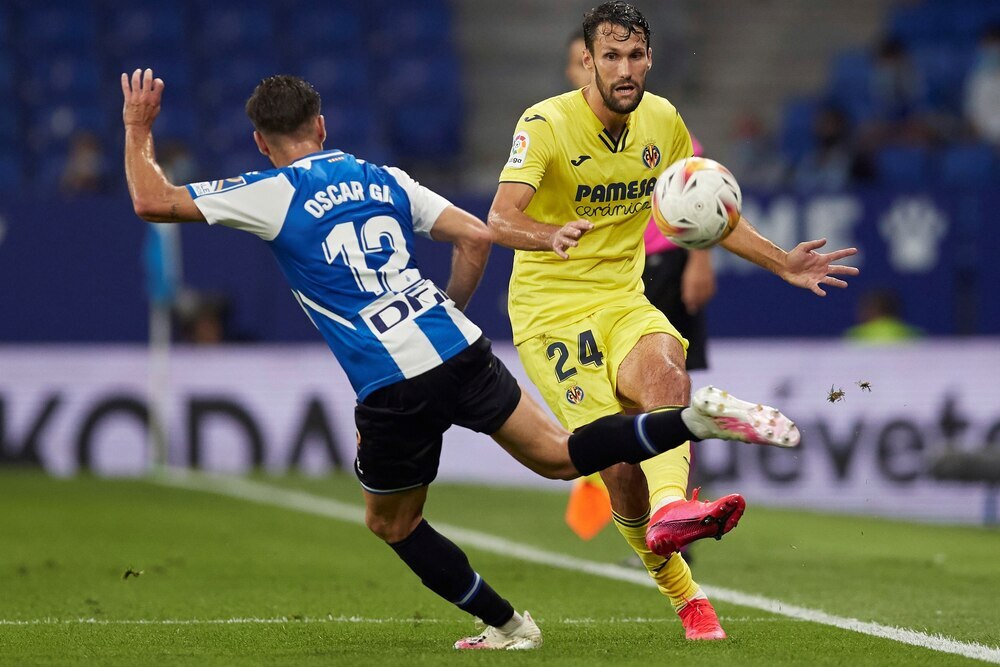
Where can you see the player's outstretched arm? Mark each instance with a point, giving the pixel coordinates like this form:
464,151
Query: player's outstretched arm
153,196
802,267
472,244
513,228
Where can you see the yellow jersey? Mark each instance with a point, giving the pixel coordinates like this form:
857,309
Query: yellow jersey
578,170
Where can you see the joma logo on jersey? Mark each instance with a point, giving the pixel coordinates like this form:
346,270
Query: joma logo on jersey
409,303
606,192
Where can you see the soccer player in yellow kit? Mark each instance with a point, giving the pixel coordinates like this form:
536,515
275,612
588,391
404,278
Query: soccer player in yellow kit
574,202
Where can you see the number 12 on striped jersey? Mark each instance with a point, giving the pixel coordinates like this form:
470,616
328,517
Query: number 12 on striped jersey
343,243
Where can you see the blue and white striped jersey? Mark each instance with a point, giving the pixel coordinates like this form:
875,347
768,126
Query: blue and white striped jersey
343,232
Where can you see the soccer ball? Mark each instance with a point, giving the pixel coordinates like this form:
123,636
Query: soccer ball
696,203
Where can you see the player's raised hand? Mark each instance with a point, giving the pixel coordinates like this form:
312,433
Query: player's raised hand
568,236
810,269
142,98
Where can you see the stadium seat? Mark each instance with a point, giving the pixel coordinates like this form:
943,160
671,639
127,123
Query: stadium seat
797,127
971,17
178,120
922,24
224,130
10,129
427,131
944,69
903,167
849,82
63,61
175,69
231,80
350,126
414,28
330,29
223,28
11,172
69,77
63,25
5,30
345,77
6,76
971,166
409,78
52,127
134,28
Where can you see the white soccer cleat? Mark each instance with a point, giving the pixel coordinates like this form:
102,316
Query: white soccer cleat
525,636
715,413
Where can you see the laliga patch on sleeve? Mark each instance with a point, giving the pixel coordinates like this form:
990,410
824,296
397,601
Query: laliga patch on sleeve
518,151
213,187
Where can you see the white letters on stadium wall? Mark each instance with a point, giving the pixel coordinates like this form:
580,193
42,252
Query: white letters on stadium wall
291,407
912,229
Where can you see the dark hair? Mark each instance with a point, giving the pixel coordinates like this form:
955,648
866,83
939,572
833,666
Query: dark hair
575,35
282,104
617,13
891,47
881,302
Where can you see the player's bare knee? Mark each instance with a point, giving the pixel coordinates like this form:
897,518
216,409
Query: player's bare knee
389,529
666,384
679,381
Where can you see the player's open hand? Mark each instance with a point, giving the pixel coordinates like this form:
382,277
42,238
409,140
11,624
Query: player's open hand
142,98
568,236
810,269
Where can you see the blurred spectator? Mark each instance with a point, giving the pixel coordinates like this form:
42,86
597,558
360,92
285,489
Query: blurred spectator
897,95
897,87
832,163
982,92
756,160
880,320
86,168
202,318
177,161
576,73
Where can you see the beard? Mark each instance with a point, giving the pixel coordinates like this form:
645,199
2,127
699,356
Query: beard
615,104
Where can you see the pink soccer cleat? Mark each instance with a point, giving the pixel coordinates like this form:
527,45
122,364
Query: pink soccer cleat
700,621
674,526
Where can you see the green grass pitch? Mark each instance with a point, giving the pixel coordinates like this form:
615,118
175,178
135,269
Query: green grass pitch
227,581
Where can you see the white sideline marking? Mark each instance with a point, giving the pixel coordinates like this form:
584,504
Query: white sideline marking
282,620
257,492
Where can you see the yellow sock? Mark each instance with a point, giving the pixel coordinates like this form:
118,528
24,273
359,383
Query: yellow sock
667,474
672,576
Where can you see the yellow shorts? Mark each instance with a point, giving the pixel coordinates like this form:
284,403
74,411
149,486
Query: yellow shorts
575,367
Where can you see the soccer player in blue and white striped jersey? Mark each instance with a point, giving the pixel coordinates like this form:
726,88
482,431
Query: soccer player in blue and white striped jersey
342,231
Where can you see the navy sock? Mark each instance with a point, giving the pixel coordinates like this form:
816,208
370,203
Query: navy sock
445,569
621,439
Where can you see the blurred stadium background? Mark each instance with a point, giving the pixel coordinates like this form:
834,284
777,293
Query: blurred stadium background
873,123
869,123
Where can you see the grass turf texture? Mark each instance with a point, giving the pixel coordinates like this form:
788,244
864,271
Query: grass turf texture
68,543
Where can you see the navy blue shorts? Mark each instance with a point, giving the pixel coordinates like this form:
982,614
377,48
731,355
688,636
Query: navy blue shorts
400,427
